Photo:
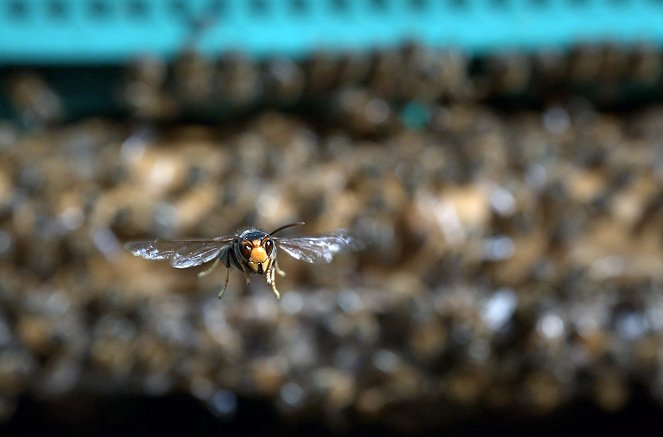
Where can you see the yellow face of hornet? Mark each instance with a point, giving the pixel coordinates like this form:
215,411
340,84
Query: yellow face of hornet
257,253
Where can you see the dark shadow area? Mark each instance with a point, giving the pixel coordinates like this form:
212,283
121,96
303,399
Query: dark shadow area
182,414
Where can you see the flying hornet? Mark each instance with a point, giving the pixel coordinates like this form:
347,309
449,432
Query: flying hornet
252,251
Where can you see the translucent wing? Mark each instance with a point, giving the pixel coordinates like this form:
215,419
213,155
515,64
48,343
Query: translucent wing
181,253
320,249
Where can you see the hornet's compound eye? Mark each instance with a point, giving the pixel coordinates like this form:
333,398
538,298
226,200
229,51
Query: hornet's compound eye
269,246
246,248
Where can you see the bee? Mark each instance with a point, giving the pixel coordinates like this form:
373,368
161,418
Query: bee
252,251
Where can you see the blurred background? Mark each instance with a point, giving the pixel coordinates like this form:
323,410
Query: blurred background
502,158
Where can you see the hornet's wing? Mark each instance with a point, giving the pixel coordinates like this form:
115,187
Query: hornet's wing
319,249
181,253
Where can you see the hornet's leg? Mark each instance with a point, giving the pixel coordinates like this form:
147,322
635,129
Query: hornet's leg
225,285
210,269
271,280
278,270
246,275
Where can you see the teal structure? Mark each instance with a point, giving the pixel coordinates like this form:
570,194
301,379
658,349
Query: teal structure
114,31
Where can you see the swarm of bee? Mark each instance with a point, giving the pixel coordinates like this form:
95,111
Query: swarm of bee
517,255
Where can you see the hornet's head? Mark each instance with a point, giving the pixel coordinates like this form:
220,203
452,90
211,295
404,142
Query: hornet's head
257,250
